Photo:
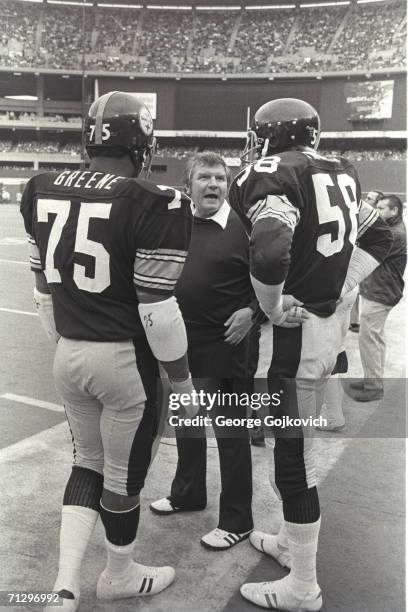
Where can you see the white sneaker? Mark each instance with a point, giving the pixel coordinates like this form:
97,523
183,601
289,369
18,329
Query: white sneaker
218,539
280,595
268,543
138,581
69,603
164,506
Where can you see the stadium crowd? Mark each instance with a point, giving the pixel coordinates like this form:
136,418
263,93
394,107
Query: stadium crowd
358,36
184,152
39,147
27,117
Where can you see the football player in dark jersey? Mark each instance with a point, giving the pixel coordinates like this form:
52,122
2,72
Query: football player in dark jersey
304,214
107,249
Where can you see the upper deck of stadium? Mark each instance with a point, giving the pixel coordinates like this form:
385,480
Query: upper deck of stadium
203,37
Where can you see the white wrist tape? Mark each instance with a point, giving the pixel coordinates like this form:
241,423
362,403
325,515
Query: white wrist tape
43,306
269,298
361,265
165,329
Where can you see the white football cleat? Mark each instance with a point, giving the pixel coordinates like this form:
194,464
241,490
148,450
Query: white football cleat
137,581
269,544
279,595
219,539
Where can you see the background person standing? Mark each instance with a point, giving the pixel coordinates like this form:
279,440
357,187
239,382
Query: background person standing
380,292
371,198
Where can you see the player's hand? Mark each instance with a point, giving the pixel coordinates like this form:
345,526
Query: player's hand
238,325
293,314
187,396
289,300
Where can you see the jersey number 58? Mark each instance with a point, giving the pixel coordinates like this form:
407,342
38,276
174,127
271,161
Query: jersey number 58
330,211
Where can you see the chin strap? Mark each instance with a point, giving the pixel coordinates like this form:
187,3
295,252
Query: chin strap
265,148
251,151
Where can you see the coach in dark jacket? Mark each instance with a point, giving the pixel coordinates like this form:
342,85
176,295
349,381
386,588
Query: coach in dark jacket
217,302
382,290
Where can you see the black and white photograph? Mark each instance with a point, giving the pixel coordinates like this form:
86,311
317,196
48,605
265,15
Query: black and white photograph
203,314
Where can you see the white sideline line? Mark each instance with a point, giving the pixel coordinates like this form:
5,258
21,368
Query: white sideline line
24,312
41,441
23,399
14,261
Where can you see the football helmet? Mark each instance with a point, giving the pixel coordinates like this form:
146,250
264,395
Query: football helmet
119,121
280,125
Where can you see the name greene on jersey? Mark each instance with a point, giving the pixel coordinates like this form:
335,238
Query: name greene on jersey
99,236
86,179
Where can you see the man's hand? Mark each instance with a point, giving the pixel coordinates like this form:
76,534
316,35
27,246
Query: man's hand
293,314
238,325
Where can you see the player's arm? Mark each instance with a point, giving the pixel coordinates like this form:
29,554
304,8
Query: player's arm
160,256
165,332
374,240
274,222
44,307
167,337
42,296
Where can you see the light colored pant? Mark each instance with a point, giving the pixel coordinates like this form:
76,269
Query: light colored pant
372,341
111,413
302,361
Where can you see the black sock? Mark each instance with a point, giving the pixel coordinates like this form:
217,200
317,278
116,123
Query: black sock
303,507
120,527
84,488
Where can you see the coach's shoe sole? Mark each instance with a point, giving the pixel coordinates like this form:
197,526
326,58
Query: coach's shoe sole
165,507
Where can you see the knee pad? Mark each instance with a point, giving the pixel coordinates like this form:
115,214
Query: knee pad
120,527
84,488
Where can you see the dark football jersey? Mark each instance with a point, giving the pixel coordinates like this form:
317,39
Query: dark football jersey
318,198
97,237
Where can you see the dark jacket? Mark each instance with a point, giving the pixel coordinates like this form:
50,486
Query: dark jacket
386,284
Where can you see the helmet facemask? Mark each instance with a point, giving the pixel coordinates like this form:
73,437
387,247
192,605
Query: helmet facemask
252,148
147,158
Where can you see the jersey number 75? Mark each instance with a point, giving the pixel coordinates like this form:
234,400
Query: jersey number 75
87,211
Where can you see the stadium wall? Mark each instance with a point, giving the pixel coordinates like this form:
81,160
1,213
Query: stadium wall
216,104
